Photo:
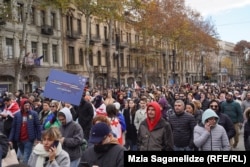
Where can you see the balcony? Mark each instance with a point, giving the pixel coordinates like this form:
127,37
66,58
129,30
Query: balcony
124,45
73,35
75,67
100,69
105,42
2,21
47,30
94,39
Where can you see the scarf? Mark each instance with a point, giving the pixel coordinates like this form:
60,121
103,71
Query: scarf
42,153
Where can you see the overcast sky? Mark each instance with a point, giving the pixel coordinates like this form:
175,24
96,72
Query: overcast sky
231,17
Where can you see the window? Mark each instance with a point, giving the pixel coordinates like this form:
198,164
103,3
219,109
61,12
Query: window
54,54
79,26
45,52
128,61
71,55
34,47
42,17
20,12
91,58
9,48
53,19
97,30
99,58
114,60
32,16
69,23
121,36
129,38
122,60
107,58
105,32
81,61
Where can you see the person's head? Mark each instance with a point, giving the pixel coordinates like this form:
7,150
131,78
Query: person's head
46,106
117,106
179,106
214,105
163,103
153,111
111,110
197,104
182,96
248,96
7,101
222,96
54,105
98,101
100,134
190,96
143,103
210,116
64,116
190,108
100,118
49,136
26,106
229,97
176,96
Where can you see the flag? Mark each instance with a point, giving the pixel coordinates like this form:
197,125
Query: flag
37,60
29,59
136,86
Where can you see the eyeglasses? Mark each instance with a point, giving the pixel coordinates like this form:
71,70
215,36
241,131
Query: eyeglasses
213,106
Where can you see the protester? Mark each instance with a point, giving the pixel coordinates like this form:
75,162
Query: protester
209,135
49,152
105,151
25,130
154,132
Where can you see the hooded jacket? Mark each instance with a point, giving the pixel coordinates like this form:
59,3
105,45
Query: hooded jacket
73,135
215,140
156,135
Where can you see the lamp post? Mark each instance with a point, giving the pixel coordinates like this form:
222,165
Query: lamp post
117,44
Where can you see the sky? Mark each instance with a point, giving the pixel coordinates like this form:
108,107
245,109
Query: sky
230,17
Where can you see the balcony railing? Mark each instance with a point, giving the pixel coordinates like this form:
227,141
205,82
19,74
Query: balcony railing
75,67
100,69
73,34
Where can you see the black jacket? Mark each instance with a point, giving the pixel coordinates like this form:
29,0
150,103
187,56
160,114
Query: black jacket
247,136
85,114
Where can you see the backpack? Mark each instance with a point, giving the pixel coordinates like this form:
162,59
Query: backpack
4,144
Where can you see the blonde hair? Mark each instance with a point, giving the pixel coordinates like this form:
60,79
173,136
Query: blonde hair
53,133
197,104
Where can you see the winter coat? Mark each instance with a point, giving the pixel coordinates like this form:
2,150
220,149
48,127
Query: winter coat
73,136
215,140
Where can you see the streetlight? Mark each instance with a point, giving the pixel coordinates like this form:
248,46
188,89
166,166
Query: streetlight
117,44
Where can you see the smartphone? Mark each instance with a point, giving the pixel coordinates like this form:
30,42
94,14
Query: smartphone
55,144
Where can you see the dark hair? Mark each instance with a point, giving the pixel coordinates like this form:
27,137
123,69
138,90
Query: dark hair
216,101
6,99
111,110
18,165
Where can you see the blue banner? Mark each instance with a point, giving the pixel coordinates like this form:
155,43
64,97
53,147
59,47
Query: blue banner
65,87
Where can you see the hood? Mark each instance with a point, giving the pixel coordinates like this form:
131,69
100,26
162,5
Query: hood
67,114
163,102
208,114
157,108
247,113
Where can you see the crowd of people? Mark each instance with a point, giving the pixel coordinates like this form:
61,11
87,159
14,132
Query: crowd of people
198,117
